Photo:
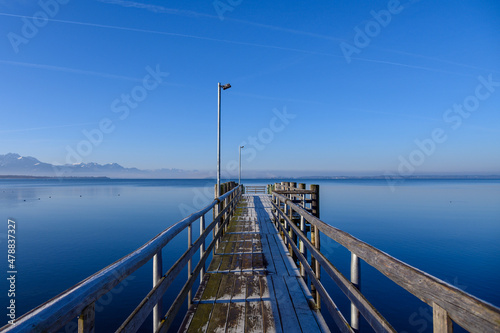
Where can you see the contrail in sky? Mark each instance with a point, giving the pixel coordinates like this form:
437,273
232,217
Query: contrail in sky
189,13
177,35
43,128
222,41
69,70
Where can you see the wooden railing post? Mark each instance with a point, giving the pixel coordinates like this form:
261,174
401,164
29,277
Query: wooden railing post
315,240
441,322
276,216
222,206
86,320
293,236
302,186
190,268
285,224
226,203
293,186
202,246
355,280
315,200
157,274
216,211
302,247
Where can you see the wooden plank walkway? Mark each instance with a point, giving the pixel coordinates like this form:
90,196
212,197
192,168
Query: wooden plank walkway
252,284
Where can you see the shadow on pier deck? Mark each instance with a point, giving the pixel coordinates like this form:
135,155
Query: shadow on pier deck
252,284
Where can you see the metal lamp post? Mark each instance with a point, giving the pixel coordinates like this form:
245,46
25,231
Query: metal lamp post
224,87
239,182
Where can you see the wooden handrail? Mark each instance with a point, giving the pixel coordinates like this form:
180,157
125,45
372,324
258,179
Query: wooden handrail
55,313
374,318
466,310
294,191
262,189
142,311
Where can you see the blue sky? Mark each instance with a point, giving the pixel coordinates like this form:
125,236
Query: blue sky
319,87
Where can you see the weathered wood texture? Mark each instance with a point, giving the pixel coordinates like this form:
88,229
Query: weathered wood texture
252,284
449,302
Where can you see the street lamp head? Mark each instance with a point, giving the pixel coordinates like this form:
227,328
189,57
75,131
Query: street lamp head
242,146
226,86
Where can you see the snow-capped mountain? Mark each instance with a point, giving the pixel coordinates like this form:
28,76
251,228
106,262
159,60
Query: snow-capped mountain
15,164
22,165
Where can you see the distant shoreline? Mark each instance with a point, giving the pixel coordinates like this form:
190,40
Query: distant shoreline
414,177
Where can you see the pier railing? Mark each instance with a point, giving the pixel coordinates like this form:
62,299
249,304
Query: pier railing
295,207
79,300
262,189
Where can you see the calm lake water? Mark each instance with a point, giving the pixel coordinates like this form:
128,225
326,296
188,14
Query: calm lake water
68,230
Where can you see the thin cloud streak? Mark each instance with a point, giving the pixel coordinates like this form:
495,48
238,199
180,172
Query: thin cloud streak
277,99
69,70
412,66
43,128
79,71
188,13
238,43
96,25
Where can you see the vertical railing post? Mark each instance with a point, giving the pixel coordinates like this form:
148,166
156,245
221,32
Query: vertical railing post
157,274
277,221
315,200
315,240
355,280
190,267
216,214
441,322
302,186
202,246
226,203
285,224
292,235
302,247
275,212
86,320
222,206
293,186
303,250
317,264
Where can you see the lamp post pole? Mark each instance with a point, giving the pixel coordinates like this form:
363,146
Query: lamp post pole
218,144
239,183
224,87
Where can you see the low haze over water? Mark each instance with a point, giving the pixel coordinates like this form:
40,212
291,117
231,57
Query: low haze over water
70,229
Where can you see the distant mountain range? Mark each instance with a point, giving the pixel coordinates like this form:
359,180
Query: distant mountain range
16,165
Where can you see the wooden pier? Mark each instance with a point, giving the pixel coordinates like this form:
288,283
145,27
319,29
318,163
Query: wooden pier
252,284
264,276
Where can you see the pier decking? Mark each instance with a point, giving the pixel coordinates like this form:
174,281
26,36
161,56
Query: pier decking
252,284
